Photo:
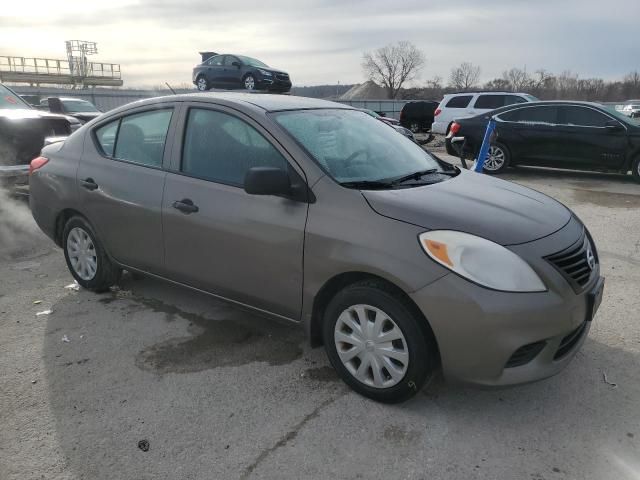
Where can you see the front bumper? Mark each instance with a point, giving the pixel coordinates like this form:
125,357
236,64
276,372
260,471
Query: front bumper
479,330
273,84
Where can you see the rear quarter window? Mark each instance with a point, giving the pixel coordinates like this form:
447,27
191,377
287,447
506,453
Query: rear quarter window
461,101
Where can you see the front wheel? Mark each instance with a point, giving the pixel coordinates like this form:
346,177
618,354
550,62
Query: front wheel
375,343
86,259
249,82
498,159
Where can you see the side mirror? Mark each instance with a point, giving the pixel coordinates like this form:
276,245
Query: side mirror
613,126
267,181
236,64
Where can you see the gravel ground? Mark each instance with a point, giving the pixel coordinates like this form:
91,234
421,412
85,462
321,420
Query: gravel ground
219,393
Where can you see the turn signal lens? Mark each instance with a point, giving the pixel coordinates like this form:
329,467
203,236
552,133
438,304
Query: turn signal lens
37,163
481,261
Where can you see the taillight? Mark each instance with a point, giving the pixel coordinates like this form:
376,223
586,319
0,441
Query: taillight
37,163
455,128
437,112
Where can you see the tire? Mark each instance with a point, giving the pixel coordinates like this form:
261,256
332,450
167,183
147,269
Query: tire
635,169
202,84
501,159
91,268
249,82
449,148
414,349
415,127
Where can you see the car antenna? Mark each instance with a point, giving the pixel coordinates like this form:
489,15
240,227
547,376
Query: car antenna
172,90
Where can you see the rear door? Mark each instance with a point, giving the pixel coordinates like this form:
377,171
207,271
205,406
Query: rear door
243,247
586,142
530,132
120,183
215,71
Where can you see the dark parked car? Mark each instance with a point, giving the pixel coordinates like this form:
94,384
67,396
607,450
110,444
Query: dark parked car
383,118
418,116
23,131
78,108
572,135
239,72
313,212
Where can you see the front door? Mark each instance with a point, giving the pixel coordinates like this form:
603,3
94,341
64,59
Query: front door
120,183
587,142
243,247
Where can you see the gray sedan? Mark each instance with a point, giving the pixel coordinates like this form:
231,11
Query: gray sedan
315,213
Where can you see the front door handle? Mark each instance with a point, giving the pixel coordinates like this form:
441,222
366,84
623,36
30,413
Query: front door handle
186,206
89,184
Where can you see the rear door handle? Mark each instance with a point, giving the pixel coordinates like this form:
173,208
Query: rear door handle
186,206
89,184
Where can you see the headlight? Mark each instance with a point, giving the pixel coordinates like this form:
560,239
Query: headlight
265,73
481,261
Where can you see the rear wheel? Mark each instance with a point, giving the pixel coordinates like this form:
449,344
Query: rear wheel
86,259
375,343
497,160
635,170
202,84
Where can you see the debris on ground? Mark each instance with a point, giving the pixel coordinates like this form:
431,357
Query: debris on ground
606,380
37,302
119,293
143,445
33,381
65,339
44,312
73,286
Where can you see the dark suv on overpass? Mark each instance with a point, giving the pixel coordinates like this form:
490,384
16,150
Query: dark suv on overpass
239,72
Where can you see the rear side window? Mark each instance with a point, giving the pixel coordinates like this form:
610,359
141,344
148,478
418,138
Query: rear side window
106,136
222,148
138,138
583,117
461,101
217,60
490,102
537,115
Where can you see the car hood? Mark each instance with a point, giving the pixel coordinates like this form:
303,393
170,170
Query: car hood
24,113
500,211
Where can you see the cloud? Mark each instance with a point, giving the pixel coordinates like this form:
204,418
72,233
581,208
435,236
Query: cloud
323,41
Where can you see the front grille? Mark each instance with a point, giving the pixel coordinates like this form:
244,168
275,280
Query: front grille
282,77
573,262
569,341
525,354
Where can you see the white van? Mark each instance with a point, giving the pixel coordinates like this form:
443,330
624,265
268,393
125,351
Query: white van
468,104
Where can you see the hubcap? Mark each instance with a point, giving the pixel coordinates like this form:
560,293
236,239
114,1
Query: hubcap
495,158
82,253
415,127
249,84
371,346
202,84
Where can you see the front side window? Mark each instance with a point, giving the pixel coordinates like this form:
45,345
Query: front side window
532,115
583,117
137,138
351,146
222,148
461,101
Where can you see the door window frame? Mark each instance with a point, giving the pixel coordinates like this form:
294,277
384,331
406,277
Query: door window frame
168,142
529,105
181,132
565,125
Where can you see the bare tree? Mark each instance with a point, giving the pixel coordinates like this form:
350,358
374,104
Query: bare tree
393,65
465,76
435,83
517,78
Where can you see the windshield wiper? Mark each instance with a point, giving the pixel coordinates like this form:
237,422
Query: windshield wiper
368,184
413,176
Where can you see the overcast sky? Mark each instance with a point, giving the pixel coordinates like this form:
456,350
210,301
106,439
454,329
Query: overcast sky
322,41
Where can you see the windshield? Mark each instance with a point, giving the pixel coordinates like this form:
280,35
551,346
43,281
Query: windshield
8,99
76,106
252,61
351,146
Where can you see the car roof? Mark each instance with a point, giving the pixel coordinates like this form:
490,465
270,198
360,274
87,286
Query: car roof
485,92
266,101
